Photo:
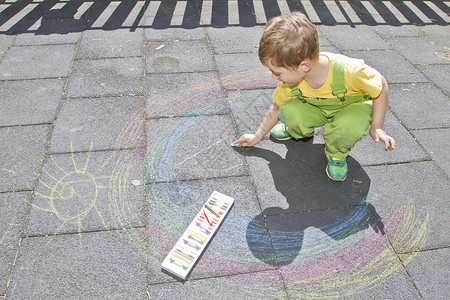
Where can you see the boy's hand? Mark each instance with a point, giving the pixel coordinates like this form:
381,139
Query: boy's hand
378,134
247,140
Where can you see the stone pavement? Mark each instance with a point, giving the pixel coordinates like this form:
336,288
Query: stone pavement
115,126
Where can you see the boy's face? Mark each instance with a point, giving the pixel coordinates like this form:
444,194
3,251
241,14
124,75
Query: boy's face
289,75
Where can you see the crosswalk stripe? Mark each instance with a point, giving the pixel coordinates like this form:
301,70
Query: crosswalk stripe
178,13
418,12
259,12
233,12
439,12
18,17
353,16
223,12
311,12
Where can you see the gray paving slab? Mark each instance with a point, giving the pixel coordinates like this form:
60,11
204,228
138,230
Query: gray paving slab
409,198
101,265
51,32
400,31
249,108
13,209
347,271
438,32
184,94
31,62
231,64
22,149
403,72
196,57
29,102
229,39
172,207
196,147
428,273
263,285
106,77
420,50
288,175
367,152
5,43
174,34
362,37
81,192
438,74
414,103
107,44
436,142
99,122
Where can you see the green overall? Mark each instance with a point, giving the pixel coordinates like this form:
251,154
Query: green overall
345,118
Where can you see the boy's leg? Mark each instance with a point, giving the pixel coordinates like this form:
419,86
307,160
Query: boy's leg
301,118
347,127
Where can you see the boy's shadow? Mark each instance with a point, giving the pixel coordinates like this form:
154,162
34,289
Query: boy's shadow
338,209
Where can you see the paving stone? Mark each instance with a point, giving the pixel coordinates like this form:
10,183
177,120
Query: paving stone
37,62
92,191
367,152
403,72
172,207
420,50
51,31
345,37
438,74
106,77
5,43
229,39
232,64
290,177
249,108
100,121
406,100
107,44
354,267
437,31
22,149
400,31
410,197
174,34
196,57
179,141
29,102
13,209
103,265
429,273
184,94
436,142
262,285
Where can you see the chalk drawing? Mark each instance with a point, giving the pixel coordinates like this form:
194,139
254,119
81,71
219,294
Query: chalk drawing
324,268
79,187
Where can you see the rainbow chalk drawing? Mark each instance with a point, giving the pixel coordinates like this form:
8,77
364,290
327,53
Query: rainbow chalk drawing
324,268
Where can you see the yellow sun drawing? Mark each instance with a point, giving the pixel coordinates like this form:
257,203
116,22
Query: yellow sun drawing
74,193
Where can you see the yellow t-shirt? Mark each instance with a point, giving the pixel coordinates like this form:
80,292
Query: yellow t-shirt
359,79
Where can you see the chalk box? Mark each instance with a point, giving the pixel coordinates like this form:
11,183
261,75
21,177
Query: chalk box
183,256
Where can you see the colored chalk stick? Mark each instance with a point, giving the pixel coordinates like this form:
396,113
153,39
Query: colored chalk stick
183,256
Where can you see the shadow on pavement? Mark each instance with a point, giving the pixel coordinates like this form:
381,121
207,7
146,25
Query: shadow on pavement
337,209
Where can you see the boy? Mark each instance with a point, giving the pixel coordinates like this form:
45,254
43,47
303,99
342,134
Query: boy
319,89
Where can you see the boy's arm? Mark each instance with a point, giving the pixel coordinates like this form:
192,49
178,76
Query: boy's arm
379,112
271,118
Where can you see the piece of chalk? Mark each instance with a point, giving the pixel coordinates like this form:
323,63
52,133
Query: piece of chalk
235,145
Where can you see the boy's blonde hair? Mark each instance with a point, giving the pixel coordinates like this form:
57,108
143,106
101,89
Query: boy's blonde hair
288,40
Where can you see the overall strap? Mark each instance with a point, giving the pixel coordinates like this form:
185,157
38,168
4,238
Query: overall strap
296,92
338,84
